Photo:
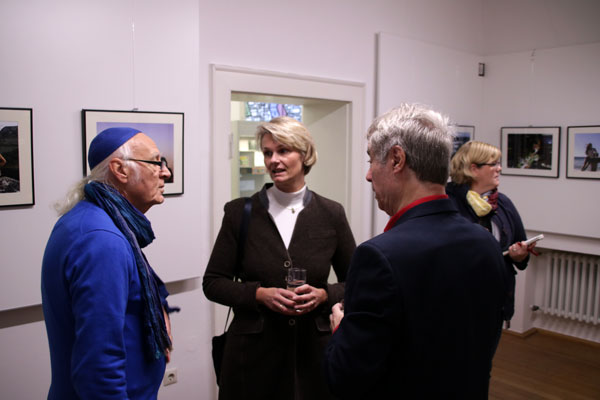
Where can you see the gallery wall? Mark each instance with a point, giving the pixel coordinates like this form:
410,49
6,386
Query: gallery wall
413,71
548,87
557,87
66,55
61,56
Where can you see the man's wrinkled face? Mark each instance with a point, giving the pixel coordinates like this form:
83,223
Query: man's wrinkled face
147,185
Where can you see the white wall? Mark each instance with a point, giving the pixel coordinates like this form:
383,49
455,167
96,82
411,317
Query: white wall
523,25
445,79
64,55
61,56
552,87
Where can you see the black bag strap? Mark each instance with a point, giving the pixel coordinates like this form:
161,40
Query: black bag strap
241,242
243,233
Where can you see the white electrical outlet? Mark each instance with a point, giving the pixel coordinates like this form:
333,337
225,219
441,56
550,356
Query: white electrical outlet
170,377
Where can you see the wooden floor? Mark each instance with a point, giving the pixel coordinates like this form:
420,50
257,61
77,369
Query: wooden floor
545,366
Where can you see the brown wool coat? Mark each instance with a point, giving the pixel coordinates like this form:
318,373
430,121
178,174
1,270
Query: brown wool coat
269,355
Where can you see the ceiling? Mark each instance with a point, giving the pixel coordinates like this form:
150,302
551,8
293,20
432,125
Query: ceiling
519,25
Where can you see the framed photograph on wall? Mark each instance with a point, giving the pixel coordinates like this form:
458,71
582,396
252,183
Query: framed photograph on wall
165,128
463,133
530,151
16,157
583,147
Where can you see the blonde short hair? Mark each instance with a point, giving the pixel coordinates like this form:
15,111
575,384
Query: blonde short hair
471,153
292,133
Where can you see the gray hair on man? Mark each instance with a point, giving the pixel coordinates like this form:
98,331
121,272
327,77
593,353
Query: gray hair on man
100,173
423,134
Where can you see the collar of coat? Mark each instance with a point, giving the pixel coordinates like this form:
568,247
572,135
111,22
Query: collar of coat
394,220
264,199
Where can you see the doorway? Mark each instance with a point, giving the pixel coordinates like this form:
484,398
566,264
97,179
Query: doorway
326,120
333,112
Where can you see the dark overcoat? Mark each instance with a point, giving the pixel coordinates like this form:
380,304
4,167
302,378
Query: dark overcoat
269,355
422,311
508,220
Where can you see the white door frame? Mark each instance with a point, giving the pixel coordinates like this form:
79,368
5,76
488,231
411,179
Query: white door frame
228,79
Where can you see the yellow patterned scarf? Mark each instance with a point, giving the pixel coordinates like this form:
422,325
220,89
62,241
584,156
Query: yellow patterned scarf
478,204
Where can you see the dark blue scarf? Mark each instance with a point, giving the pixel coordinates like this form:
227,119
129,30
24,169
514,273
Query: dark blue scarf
138,231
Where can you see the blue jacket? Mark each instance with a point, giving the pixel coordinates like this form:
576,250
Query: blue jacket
423,307
508,220
93,310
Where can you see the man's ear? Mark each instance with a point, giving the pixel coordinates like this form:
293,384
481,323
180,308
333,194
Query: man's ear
398,158
119,170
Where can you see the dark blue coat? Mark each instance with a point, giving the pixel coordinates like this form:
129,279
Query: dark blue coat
423,308
508,220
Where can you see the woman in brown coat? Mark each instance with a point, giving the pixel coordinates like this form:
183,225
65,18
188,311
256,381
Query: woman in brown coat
276,339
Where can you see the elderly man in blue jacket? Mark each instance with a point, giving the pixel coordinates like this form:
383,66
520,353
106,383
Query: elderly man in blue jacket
422,312
105,309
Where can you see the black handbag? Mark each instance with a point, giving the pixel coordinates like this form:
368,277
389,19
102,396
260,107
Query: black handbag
218,348
218,342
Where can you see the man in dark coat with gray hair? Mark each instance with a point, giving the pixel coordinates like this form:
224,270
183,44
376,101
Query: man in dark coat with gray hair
423,301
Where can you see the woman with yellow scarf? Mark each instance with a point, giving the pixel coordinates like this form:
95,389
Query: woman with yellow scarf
475,174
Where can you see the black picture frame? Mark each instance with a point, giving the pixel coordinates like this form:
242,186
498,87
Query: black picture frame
16,157
583,147
462,134
531,151
165,128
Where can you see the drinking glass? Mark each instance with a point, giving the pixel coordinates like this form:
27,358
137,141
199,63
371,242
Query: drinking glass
296,278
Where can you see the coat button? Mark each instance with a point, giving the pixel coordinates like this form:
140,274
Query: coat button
292,322
287,264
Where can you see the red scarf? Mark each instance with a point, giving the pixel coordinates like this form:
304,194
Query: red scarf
493,199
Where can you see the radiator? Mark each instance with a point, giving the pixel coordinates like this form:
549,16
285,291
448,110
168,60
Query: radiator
572,287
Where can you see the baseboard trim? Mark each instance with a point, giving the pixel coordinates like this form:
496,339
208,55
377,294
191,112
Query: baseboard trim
567,337
541,331
523,335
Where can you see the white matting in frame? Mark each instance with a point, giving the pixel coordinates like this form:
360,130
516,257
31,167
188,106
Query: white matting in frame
165,128
583,148
16,157
530,151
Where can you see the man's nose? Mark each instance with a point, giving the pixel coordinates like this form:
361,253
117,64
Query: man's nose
164,172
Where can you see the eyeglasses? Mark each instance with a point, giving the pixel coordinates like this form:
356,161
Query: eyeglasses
162,163
494,164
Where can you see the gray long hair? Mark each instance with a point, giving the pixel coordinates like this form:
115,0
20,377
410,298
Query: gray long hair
422,133
100,173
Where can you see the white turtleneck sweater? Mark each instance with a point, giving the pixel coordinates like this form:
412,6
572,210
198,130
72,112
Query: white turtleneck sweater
284,208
